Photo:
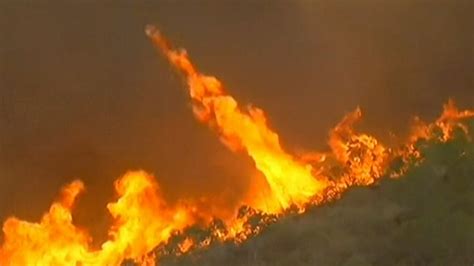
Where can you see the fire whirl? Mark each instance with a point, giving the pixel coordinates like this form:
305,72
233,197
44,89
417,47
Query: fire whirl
143,220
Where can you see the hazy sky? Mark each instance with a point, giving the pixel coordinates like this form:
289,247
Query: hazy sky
83,94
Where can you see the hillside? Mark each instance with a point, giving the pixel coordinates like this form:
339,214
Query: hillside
425,217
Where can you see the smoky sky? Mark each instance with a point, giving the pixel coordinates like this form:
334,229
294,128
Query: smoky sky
83,94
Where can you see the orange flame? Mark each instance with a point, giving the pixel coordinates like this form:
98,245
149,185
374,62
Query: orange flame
31,243
450,119
143,220
290,180
363,155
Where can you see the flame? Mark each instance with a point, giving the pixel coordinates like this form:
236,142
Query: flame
186,245
142,217
143,220
364,157
291,181
31,243
450,119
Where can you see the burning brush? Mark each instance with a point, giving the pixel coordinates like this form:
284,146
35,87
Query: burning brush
143,220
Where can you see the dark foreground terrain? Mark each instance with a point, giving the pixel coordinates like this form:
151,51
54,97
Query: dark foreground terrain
425,217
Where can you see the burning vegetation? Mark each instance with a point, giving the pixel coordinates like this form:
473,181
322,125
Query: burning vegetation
146,227
425,217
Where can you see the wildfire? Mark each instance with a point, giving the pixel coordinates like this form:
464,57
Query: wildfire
291,181
143,220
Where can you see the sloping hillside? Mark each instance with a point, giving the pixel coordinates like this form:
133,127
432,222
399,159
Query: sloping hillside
423,218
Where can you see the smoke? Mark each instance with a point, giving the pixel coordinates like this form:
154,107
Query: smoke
82,94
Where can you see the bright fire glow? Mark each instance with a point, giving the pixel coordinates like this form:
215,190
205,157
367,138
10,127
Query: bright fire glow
143,220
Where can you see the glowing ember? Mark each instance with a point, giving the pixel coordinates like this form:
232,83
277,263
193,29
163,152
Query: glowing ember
143,220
